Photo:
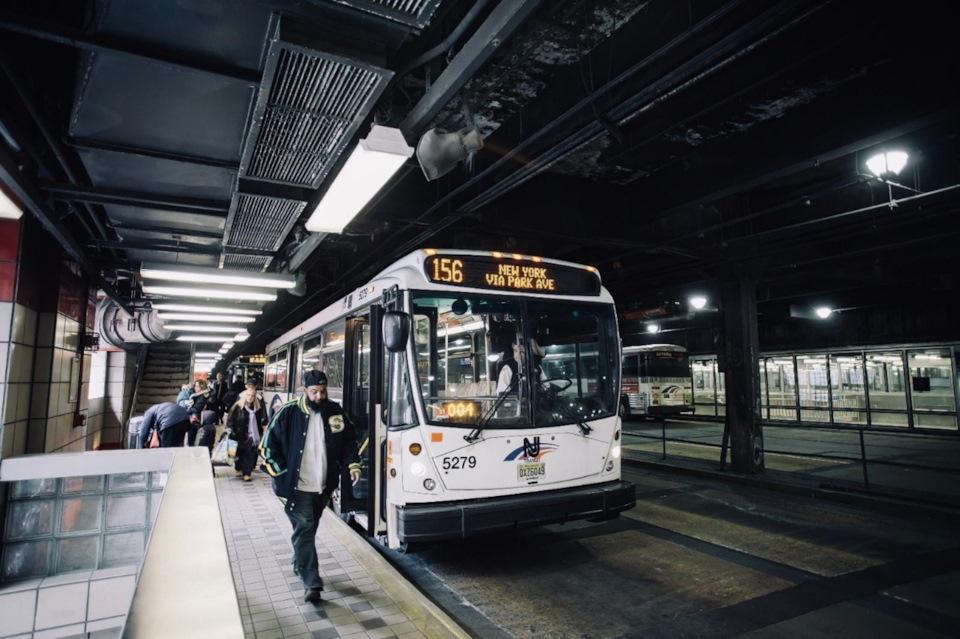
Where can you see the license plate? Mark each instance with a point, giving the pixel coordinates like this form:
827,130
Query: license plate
531,471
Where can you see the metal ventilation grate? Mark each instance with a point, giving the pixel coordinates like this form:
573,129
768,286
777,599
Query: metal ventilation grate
261,223
246,262
315,103
415,13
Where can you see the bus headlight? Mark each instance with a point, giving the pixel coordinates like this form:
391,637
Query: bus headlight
418,469
615,452
429,484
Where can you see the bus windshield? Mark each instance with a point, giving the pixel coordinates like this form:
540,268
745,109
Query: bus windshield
499,362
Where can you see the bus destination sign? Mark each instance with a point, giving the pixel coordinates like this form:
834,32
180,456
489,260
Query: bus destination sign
478,271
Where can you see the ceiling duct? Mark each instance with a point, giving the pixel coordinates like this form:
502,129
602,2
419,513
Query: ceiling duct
310,105
259,223
119,329
415,13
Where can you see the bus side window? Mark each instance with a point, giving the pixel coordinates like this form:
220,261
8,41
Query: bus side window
361,403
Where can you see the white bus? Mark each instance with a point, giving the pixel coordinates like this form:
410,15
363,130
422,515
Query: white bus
415,356
656,381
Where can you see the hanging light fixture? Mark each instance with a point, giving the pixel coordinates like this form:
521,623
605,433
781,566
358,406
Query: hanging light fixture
369,167
204,291
887,163
205,307
698,302
208,275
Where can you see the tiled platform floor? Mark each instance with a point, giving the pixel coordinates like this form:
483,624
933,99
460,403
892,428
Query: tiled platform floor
363,596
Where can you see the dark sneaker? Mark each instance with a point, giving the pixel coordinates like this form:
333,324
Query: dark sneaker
312,595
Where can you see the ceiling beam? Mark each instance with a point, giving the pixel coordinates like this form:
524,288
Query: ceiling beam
96,145
96,195
166,230
500,25
179,247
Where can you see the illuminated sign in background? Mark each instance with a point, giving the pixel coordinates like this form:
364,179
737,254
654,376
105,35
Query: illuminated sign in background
532,277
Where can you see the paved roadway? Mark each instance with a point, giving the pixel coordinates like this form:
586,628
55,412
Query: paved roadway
702,558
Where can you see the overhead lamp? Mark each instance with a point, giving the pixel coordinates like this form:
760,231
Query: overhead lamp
205,307
888,162
204,291
440,151
211,317
698,302
209,275
653,328
200,328
241,336
202,338
823,312
369,167
10,209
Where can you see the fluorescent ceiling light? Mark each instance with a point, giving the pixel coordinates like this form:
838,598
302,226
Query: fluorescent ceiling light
211,317
698,302
460,328
200,328
241,336
205,307
205,291
201,338
208,275
9,210
369,167
203,355
886,163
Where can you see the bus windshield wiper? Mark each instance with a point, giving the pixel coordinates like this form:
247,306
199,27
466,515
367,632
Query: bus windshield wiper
556,403
486,417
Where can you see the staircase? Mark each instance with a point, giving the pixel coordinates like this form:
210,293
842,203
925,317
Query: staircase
167,367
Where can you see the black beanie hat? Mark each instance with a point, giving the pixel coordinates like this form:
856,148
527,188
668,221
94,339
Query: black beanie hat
315,378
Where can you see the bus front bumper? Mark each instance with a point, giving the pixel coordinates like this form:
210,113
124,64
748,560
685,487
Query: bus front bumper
454,520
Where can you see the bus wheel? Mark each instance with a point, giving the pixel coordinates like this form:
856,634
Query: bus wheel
624,411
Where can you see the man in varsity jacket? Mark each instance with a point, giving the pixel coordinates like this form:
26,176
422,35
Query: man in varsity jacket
305,445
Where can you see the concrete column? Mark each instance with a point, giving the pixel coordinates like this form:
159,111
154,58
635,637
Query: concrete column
740,365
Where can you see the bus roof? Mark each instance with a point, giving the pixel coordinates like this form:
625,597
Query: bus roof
408,272
627,350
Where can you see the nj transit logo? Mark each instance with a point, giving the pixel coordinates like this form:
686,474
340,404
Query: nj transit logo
530,450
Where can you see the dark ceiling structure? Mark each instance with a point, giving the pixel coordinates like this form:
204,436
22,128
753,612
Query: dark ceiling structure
670,144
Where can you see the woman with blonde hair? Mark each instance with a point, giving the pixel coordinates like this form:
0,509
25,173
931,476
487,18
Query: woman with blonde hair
246,421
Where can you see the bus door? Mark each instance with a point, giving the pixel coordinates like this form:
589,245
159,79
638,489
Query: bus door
362,402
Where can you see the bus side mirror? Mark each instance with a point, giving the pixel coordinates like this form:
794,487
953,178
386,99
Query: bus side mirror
396,330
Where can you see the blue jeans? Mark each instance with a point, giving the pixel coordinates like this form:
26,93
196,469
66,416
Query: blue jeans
305,519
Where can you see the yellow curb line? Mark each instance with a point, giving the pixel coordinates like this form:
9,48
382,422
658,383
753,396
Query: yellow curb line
426,615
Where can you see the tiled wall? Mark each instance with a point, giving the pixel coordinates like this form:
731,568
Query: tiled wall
17,343
68,605
118,396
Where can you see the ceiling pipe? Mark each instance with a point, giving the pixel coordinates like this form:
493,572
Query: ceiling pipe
447,43
502,22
